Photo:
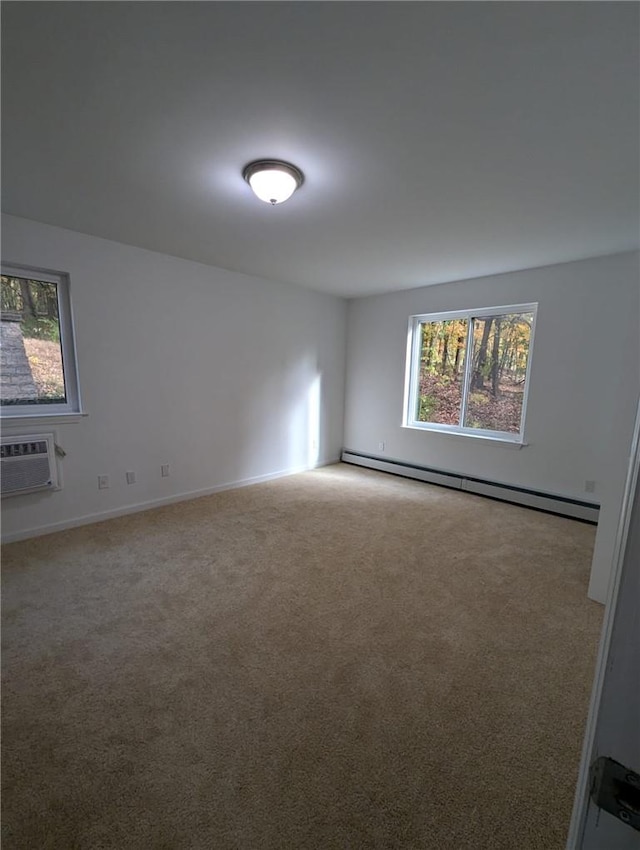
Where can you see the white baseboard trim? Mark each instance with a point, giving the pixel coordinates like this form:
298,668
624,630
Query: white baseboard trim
549,502
101,516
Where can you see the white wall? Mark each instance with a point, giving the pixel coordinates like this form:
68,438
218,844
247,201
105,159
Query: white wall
585,377
225,377
214,372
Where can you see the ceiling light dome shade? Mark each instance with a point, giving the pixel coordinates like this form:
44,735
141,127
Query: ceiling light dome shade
273,181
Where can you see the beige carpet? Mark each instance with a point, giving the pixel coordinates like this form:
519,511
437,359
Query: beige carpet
340,659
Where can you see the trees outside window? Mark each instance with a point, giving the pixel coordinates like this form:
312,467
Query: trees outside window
39,375
468,371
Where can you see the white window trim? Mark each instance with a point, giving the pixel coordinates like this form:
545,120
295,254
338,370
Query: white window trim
412,374
72,410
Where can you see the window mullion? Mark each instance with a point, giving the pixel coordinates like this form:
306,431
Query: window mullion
468,358
417,361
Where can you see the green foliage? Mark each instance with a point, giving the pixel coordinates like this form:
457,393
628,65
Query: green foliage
426,407
41,328
47,395
439,399
10,297
478,398
51,394
35,299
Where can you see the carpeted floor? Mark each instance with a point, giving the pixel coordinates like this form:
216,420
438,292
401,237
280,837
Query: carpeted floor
336,660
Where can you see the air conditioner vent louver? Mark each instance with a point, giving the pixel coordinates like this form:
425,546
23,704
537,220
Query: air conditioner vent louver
27,464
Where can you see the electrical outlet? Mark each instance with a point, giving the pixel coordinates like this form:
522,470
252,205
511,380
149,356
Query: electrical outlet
164,470
131,478
381,446
590,486
103,482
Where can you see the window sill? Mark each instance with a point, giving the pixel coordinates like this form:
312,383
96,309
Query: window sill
41,419
505,442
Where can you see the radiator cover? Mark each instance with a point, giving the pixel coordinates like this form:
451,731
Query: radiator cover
548,502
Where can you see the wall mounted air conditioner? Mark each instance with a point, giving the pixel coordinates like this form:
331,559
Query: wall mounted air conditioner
28,464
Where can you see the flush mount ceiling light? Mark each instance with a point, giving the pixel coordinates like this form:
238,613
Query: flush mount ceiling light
273,181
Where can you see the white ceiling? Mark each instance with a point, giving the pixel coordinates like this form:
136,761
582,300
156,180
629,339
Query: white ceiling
439,141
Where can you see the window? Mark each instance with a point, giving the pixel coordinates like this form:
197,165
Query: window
468,371
39,375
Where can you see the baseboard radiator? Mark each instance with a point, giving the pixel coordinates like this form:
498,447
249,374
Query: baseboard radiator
573,508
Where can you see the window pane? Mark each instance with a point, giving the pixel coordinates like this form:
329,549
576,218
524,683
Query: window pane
499,370
32,371
441,375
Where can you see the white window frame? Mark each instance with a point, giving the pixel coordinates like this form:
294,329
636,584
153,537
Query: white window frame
412,372
73,407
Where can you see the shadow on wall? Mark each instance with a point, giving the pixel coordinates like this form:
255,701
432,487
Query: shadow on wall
303,446
282,428
313,421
